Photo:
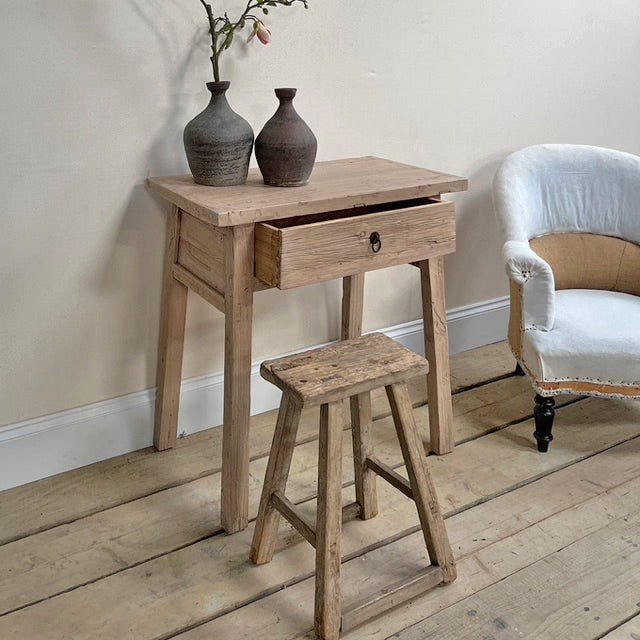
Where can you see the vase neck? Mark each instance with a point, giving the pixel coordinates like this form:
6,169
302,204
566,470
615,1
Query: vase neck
218,90
285,96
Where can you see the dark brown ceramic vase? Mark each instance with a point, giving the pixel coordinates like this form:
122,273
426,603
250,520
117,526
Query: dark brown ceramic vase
286,147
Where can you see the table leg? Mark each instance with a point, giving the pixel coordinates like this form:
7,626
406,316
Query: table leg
436,341
238,249
365,478
172,319
352,302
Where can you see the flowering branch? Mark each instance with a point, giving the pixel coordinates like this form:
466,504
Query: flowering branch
222,28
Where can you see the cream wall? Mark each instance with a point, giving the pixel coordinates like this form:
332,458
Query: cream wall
95,94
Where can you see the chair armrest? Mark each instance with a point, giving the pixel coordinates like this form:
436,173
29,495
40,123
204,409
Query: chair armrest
535,277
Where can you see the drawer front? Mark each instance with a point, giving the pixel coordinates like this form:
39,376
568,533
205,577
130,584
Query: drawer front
297,255
201,251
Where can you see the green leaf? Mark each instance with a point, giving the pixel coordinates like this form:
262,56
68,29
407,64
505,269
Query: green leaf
265,11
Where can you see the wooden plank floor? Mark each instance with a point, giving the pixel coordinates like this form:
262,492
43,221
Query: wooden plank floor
548,546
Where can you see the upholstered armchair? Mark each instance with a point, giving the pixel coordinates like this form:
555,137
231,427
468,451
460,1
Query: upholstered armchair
570,220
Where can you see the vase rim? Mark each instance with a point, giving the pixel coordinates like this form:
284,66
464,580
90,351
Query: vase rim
219,86
288,93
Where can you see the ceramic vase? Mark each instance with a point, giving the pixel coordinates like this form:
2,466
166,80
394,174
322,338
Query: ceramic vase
286,147
218,142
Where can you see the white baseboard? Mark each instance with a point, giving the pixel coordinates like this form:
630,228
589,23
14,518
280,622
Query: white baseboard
51,444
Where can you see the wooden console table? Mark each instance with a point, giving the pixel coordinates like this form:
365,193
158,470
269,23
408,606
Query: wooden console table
224,243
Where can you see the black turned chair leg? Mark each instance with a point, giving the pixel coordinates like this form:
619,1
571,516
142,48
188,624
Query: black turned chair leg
518,371
543,413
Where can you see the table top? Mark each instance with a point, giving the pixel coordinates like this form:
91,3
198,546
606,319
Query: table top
334,185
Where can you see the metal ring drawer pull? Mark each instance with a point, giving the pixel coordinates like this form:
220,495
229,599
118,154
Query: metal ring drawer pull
376,242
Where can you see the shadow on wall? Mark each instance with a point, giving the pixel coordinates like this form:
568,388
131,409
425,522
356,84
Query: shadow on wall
479,244
167,144
129,280
131,276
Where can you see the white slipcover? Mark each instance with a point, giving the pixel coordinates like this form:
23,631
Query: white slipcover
573,334
595,338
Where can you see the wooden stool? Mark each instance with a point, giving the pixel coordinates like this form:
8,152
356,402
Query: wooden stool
326,377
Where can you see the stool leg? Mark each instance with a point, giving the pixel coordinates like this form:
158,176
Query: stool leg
284,440
424,495
329,523
365,478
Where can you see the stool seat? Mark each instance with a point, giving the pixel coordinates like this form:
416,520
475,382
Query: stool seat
344,369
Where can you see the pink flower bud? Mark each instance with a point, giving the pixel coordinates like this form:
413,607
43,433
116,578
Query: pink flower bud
264,35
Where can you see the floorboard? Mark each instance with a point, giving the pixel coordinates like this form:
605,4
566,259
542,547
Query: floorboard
629,630
491,542
66,497
102,544
131,548
579,591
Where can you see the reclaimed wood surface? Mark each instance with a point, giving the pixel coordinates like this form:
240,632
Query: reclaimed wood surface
360,405
580,591
73,495
201,251
436,348
628,631
161,593
77,552
275,480
171,342
303,254
493,540
238,314
327,600
334,185
345,368
422,487
132,547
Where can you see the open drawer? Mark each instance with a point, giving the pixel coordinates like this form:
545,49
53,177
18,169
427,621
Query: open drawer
298,251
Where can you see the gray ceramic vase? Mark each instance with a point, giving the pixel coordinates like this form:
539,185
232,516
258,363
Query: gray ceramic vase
218,142
286,147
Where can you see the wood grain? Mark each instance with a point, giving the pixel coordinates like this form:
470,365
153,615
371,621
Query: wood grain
628,631
390,475
493,541
360,405
422,487
352,306
166,588
201,251
284,440
303,524
202,264
577,592
337,184
391,596
76,494
436,347
327,608
238,298
211,295
171,343
364,477
344,368
103,543
298,255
